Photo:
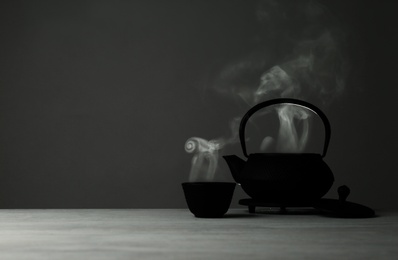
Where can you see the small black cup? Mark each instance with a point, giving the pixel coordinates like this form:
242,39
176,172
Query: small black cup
208,199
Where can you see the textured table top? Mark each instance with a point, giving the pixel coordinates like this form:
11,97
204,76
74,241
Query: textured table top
177,234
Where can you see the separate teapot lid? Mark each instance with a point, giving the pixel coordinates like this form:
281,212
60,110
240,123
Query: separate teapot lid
342,208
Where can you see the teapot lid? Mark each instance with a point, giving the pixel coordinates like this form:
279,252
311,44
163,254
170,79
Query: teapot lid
342,208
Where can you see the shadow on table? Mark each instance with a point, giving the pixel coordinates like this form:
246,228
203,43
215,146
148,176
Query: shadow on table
284,211
240,215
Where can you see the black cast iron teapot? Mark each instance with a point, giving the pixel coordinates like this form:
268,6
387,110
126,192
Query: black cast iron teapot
288,178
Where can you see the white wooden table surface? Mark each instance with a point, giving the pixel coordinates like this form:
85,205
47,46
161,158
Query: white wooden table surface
177,234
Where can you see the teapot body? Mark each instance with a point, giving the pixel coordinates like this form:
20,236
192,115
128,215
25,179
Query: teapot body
286,177
282,178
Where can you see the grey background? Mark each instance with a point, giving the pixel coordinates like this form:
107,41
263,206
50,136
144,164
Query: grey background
97,99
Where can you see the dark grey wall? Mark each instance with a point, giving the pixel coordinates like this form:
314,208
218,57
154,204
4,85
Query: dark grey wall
97,99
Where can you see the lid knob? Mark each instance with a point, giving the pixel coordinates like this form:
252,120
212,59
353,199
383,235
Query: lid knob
343,191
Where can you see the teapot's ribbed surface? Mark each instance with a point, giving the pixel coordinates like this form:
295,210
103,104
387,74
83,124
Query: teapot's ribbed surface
287,177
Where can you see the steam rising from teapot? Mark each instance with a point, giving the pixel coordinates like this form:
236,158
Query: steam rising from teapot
312,66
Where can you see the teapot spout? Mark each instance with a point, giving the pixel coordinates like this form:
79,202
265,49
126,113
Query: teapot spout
236,166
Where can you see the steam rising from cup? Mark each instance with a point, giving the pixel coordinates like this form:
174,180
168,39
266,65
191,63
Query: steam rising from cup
206,153
205,158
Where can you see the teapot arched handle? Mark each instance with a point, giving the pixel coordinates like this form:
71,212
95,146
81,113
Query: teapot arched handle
291,101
